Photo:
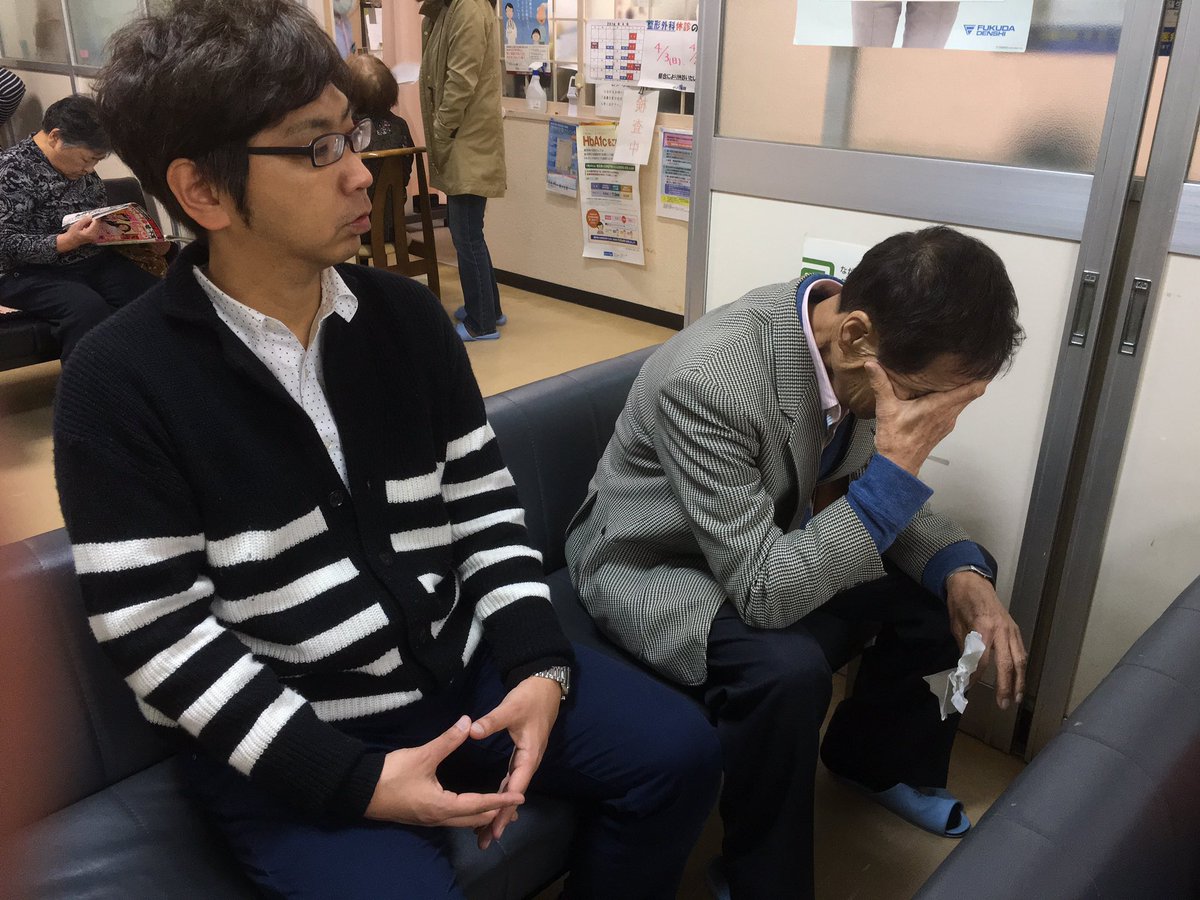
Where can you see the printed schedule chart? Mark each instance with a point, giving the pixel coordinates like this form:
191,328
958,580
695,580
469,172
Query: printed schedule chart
614,50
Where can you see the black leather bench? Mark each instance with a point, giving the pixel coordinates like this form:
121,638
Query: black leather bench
24,338
112,821
1110,808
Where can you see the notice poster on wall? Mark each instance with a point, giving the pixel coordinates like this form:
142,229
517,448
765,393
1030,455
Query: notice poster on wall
635,130
669,58
610,206
821,256
675,174
997,25
609,96
562,160
526,33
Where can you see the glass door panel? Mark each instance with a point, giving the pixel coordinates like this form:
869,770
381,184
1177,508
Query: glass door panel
1043,108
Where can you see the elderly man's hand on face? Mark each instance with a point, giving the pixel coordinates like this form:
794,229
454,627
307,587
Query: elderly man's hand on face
908,430
973,605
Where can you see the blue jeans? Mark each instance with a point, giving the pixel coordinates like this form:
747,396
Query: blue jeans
481,295
642,761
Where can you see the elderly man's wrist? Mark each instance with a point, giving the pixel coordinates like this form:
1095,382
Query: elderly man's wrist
973,569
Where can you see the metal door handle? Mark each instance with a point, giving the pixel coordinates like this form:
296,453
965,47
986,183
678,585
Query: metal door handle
1135,315
1083,307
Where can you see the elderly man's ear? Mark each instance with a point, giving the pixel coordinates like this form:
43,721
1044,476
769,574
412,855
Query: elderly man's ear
857,339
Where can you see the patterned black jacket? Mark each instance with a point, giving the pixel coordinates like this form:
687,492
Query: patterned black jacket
34,197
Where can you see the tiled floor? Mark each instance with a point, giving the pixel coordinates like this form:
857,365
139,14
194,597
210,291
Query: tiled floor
863,852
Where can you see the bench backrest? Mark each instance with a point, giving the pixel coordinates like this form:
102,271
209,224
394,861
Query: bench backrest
552,434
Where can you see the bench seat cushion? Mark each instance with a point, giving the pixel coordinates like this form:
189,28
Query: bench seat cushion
141,837
25,340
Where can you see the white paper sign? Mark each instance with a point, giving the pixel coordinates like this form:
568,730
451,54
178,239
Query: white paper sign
635,132
609,203
825,257
669,57
609,95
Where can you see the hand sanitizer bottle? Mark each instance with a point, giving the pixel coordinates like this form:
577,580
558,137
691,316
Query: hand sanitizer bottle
535,94
572,98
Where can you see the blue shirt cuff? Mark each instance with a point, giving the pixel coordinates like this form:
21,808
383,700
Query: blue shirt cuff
886,498
946,560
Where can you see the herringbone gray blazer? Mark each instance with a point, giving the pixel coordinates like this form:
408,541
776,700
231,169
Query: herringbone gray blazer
722,424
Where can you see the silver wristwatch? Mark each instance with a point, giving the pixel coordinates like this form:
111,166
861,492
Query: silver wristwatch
969,568
561,674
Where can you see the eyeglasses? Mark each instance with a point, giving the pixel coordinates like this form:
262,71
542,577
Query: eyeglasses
326,149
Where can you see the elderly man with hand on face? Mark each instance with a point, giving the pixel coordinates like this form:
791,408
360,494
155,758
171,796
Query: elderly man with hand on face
760,499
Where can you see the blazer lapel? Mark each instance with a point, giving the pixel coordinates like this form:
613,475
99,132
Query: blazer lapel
796,389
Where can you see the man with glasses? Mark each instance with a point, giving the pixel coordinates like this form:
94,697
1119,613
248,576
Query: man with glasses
294,533
57,273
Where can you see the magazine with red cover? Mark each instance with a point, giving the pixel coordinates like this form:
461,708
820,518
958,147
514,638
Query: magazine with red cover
127,223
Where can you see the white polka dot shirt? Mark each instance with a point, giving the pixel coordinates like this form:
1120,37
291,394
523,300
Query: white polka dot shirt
298,368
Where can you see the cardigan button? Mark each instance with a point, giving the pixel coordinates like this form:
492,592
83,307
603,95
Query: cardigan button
337,498
385,558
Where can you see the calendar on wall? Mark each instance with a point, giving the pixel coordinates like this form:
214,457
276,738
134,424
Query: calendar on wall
613,50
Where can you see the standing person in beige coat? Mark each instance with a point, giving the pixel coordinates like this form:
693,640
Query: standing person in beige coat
460,106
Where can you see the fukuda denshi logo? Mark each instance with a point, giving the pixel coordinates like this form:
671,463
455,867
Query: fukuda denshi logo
989,30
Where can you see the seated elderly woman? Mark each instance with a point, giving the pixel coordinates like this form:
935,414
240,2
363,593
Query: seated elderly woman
373,93
55,273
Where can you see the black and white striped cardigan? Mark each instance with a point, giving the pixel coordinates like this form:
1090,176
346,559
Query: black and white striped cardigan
12,90
245,595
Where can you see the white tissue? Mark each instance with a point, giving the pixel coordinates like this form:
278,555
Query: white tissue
950,687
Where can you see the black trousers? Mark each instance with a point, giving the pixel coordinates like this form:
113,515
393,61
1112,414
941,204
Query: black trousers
769,690
77,297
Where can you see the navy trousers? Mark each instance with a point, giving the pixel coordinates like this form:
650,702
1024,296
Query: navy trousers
481,294
642,762
769,690
76,297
